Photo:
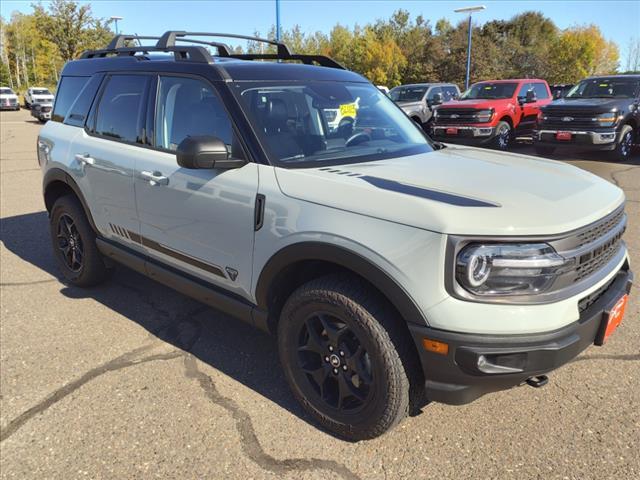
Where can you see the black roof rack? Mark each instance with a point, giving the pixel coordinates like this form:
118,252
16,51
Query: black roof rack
167,43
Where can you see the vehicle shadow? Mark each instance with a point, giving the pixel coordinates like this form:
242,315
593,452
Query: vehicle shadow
234,348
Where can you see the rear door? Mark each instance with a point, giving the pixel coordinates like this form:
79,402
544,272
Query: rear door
198,221
106,151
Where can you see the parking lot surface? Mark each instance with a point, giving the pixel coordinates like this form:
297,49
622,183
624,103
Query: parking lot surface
133,380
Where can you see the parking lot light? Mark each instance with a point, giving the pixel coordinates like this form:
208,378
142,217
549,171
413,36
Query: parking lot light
470,11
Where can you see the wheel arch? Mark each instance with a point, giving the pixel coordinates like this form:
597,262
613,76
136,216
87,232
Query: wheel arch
57,183
507,118
300,262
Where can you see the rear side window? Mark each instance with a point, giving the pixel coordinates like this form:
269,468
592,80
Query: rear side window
121,111
68,91
541,91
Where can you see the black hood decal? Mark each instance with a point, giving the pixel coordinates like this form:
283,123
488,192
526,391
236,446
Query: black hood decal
421,192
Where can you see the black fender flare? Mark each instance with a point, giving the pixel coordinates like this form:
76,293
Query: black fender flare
59,175
348,259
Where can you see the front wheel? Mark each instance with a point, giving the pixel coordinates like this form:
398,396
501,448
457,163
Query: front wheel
502,139
340,349
622,152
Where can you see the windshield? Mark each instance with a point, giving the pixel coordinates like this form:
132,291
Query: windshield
6,91
328,123
489,90
41,91
605,88
408,93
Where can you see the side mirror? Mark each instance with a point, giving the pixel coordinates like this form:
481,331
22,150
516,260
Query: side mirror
437,99
530,97
205,152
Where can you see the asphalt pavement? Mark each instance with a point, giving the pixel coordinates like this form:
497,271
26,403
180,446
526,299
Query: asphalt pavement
133,380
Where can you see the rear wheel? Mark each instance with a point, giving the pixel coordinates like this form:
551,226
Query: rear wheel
74,244
622,152
339,347
503,136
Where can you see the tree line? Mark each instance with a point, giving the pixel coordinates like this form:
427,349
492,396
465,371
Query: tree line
393,51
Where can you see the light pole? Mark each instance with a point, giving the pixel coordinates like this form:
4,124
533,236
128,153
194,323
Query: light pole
115,19
277,20
470,11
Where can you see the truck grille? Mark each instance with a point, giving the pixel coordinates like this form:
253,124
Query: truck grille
456,115
568,119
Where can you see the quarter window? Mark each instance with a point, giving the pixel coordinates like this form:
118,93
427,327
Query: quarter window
68,91
189,107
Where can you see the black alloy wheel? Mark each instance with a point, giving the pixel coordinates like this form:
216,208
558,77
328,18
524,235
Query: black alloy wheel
70,243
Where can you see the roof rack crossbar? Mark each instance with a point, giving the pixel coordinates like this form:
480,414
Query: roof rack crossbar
181,53
223,48
120,41
169,38
306,59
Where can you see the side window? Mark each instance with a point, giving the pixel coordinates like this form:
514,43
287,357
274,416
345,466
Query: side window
121,109
541,91
189,107
522,93
433,92
449,93
68,91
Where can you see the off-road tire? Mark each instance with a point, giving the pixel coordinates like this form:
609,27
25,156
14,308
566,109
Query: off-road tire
393,360
93,269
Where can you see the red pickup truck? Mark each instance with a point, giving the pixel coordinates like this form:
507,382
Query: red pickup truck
491,113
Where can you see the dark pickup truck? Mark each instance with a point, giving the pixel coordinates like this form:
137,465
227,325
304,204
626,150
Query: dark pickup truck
599,113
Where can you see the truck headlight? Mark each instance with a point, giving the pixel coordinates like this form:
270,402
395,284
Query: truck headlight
608,119
508,269
484,115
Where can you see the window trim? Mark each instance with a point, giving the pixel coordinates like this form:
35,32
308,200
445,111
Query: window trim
92,117
57,96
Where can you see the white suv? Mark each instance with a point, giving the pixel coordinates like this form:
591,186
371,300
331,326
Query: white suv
393,270
37,96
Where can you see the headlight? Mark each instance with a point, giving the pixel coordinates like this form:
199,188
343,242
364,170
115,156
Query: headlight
484,115
508,269
607,119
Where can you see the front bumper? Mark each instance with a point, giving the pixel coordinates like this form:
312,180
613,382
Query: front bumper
478,364
9,106
471,135
601,140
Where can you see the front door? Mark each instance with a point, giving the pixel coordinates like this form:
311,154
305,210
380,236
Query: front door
199,221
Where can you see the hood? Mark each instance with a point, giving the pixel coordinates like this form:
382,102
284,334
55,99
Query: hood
461,190
10,96
411,105
596,105
43,98
477,103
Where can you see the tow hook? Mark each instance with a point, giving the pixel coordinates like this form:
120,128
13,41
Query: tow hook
538,381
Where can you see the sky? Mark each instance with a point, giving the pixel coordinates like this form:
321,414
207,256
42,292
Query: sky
618,20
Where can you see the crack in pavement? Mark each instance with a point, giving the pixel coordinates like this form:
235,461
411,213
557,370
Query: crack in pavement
184,331
33,282
614,174
123,361
629,357
248,438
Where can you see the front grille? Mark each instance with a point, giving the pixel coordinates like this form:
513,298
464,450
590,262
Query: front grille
569,120
45,109
456,115
592,247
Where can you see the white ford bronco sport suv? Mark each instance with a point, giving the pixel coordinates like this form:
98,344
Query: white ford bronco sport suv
394,270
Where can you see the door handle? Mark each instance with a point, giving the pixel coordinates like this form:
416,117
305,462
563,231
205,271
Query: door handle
155,178
85,159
